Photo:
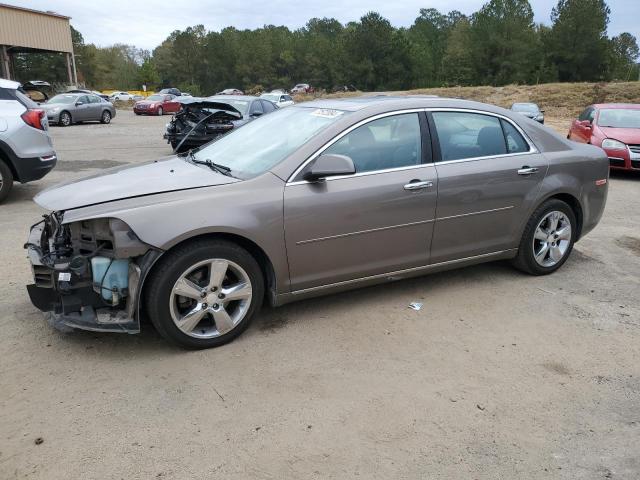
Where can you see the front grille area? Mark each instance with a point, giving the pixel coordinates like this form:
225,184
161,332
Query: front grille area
635,163
635,148
616,162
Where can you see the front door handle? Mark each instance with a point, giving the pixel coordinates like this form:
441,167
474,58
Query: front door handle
418,185
527,170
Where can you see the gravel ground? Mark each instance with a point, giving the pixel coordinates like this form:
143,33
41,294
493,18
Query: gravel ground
499,376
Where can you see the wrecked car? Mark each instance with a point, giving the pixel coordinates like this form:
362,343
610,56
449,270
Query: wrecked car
201,120
315,198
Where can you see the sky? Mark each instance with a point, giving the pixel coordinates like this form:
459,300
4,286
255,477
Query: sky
147,24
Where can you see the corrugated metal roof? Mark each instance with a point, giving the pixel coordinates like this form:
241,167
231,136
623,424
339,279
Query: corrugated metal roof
23,27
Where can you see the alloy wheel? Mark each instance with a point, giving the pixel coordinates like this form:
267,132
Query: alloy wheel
65,119
210,298
106,117
552,238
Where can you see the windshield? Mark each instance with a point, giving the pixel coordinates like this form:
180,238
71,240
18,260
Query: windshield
619,118
63,99
272,98
265,142
524,107
155,98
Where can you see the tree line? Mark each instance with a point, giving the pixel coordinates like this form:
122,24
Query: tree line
497,45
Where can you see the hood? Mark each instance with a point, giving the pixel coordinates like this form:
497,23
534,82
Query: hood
118,183
625,135
51,106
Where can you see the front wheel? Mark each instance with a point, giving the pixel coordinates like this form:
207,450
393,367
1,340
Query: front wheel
159,111
548,238
204,294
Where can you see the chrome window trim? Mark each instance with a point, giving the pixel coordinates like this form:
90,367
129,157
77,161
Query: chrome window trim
338,137
532,148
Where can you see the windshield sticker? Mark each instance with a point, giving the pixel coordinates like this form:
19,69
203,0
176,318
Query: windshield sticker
326,113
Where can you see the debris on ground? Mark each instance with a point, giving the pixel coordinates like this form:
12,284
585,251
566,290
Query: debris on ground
415,305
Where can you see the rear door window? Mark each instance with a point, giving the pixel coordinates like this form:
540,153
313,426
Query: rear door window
468,135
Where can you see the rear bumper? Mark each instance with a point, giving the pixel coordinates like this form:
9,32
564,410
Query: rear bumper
31,169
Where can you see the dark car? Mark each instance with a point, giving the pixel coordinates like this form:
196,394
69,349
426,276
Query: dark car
204,119
157,104
530,110
171,91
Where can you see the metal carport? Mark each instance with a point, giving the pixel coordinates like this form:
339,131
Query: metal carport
23,30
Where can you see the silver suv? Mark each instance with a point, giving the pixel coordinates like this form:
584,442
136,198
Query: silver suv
26,152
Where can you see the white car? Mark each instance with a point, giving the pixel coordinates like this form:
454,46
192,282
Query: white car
280,99
121,96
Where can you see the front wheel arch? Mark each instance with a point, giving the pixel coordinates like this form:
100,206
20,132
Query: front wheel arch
266,266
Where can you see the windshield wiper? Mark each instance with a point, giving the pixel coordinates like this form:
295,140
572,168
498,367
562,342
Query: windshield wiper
216,167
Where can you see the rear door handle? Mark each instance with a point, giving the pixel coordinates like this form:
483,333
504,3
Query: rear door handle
418,185
527,170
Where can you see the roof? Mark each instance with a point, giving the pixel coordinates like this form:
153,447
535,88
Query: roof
634,106
247,98
353,104
24,29
39,12
4,83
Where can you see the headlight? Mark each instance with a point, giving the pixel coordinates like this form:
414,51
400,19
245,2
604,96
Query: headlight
612,144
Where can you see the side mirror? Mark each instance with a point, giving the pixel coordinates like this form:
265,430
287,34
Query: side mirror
79,103
585,123
541,111
255,114
329,165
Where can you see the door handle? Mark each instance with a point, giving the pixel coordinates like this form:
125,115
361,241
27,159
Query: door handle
418,185
527,170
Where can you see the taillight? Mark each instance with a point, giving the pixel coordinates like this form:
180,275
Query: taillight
33,118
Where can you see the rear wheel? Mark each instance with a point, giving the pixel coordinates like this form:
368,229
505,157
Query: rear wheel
548,238
6,180
204,294
65,119
106,117
160,111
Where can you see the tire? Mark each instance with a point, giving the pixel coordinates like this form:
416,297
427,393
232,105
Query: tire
106,117
6,180
213,319
160,112
65,119
556,248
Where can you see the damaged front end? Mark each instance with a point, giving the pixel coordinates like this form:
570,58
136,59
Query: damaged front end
88,274
199,122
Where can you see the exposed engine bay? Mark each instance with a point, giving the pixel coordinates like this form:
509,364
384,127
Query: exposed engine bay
87,273
199,122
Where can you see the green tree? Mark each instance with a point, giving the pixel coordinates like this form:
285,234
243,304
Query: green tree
578,45
625,53
504,41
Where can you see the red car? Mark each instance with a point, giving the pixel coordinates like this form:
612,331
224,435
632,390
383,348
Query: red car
157,104
615,127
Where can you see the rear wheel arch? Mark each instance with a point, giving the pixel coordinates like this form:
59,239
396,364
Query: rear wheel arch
575,205
7,158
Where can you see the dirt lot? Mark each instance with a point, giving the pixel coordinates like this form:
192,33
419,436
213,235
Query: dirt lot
499,376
